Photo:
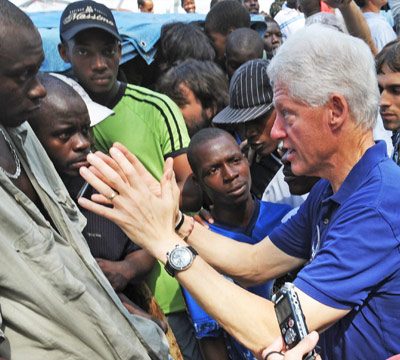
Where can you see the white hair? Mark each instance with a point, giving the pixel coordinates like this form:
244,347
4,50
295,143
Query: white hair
318,61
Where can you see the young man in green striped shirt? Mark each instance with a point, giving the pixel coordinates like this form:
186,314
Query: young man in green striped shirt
149,124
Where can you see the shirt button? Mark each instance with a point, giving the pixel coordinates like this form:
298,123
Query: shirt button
326,221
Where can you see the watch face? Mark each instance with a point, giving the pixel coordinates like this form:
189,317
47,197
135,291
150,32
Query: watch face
180,258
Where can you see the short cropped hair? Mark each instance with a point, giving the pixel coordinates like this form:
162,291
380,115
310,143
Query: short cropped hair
246,41
225,16
205,78
215,2
311,70
180,41
200,138
390,56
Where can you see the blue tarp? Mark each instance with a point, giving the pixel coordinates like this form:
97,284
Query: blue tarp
139,32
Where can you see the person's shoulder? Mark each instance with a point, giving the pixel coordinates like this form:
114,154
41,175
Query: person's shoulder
147,95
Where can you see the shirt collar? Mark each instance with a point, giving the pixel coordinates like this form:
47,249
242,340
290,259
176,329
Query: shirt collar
356,177
21,132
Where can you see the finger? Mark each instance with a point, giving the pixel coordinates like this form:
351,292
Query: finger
126,166
200,220
107,212
206,215
139,167
277,345
145,175
303,347
101,199
111,163
95,182
111,178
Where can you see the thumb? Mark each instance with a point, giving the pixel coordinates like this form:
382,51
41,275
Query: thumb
303,347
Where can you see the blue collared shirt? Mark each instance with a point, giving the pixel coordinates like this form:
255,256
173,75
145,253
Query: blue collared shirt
351,239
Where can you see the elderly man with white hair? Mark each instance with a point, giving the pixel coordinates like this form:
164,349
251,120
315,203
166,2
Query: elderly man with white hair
346,234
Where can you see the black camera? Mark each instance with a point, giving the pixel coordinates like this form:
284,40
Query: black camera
290,317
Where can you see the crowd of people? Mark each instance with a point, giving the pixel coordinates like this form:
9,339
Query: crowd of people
157,221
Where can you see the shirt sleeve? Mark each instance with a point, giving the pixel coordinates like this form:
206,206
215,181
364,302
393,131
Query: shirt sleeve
359,248
174,136
294,236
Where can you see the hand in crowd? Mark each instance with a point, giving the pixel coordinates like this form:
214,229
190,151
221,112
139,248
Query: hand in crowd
117,272
136,310
273,352
204,217
139,208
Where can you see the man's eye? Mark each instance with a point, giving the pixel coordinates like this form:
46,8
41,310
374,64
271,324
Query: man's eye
212,171
82,52
64,136
110,52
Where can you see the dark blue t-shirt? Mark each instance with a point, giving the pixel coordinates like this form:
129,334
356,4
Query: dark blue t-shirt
352,241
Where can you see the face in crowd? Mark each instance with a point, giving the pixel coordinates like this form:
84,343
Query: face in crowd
272,39
303,130
223,171
252,6
389,85
94,55
258,134
63,128
20,89
196,116
189,6
147,6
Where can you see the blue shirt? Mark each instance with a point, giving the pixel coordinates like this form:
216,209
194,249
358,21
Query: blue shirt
265,218
352,241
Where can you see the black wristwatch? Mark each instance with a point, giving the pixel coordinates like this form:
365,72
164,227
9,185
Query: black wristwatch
179,258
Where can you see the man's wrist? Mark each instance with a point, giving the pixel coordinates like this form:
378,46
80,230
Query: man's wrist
186,227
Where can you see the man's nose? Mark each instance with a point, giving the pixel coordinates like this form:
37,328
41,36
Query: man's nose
99,63
81,142
37,90
278,130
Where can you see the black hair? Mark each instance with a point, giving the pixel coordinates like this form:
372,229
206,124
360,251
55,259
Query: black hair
361,3
180,41
390,56
225,16
246,41
205,78
200,138
214,2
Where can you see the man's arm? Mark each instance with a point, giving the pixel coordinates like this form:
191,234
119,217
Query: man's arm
246,263
149,219
354,20
134,267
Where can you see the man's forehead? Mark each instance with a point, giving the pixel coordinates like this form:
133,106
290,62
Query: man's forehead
22,51
389,77
88,35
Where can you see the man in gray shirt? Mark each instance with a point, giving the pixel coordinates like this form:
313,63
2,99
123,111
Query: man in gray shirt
55,303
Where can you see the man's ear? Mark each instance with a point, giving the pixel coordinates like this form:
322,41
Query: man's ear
119,51
195,179
339,111
63,51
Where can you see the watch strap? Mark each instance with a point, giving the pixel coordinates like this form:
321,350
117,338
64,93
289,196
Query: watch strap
172,271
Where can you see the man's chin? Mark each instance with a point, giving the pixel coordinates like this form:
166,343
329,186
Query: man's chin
13,123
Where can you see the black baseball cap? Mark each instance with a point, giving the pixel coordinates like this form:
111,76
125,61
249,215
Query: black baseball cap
250,94
86,14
